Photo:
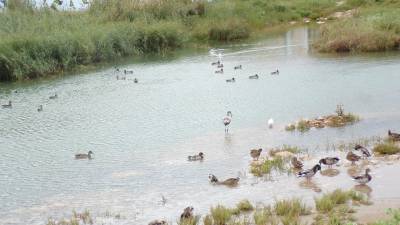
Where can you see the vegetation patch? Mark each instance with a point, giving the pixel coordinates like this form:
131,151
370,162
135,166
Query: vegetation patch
267,166
340,119
387,148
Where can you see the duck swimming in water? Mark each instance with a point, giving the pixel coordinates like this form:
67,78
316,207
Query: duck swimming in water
40,108
363,179
231,80
329,161
9,105
363,150
135,81
220,71
128,71
352,157
393,136
275,72
84,156
239,67
253,77
215,63
297,164
227,182
200,156
255,153
310,172
158,222
53,96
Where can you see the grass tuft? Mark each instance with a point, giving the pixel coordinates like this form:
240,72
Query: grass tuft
387,148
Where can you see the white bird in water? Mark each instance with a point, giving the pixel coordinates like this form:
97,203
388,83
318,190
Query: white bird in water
271,123
227,120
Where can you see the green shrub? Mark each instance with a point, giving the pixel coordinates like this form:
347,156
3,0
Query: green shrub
387,148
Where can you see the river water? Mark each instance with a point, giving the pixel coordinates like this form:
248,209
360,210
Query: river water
141,133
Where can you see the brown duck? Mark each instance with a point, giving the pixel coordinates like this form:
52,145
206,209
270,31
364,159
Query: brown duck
394,136
187,213
352,157
227,182
297,164
158,222
255,153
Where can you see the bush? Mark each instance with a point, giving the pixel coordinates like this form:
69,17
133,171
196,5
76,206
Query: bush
387,148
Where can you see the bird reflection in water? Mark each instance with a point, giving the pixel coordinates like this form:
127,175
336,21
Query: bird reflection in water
330,172
363,188
309,184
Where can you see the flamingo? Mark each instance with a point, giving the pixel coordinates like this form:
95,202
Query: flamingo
227,120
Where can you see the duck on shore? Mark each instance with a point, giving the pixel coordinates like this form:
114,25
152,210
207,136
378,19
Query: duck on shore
53,96
253,76
200,156
187,213
239,67
365,152
276,72
310,172
227,182
363,179
329,161
9,105
352,157
297,164
84,156
231,80
394,136
255,153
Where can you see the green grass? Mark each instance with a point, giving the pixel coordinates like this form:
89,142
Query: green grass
292,207
265,216
386,148
375,28
67,40
269,165
303,126
221,215
394,220
245,206
290,127
285,148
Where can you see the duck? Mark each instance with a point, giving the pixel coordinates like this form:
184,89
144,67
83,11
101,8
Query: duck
310,172
329,161
84,156
253,77
270,123
9,105
352,157
215,63
227,182
239,67
365,151
363,179
220,71
128,71
297,164
231,80
158,222
275,72
187,213
255,153
135,81
40,108
200,156
220,65
394,136
53,96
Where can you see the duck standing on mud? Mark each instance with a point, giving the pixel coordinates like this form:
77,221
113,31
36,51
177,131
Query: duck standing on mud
363,150
329,161
310,172
363,179
228,182
352,157
297,164
393,136
200,156
255,153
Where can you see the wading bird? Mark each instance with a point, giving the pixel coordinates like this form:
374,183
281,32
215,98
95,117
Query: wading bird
227,120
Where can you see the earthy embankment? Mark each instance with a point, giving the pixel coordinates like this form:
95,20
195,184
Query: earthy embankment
39,42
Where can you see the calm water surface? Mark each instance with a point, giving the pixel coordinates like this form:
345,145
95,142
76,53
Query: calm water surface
142,133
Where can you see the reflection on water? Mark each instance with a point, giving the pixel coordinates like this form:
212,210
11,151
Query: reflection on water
310,184
363,188
142,133
330,172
